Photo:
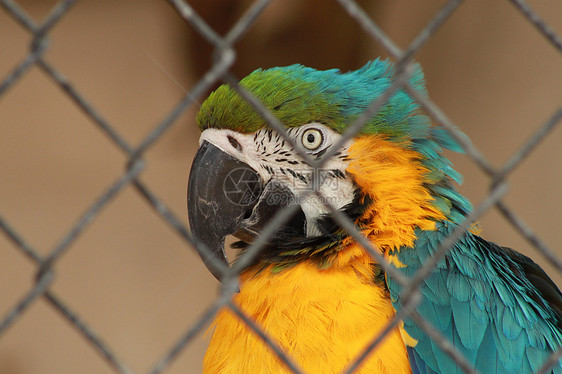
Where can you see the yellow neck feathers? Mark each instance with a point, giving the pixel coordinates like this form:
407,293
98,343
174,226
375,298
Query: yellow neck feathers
323,319
393,176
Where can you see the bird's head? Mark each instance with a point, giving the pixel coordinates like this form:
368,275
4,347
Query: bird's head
389,179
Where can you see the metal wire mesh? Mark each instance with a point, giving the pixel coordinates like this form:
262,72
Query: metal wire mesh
224,57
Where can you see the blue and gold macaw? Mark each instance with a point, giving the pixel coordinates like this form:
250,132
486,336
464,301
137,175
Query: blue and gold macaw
313,289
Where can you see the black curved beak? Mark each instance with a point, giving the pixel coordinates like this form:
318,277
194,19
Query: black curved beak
227,197
221,192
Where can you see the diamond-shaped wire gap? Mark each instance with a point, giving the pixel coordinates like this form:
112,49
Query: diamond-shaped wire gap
475,154
54,344
135,270
495,91
440,118
82,223
541,169
375,32
246,21
235,31
99,121
132,92
90,335
376,253
536,20
422,37
463,12
283,35
58,162
530,144
38,46
224,58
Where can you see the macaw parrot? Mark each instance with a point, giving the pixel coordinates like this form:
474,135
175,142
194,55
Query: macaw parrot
313,289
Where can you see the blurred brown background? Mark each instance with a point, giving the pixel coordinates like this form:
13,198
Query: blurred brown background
130,276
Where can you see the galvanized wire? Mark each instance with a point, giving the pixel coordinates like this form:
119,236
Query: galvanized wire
224,57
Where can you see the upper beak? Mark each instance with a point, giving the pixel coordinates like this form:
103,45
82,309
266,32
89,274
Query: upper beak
228,197
221,192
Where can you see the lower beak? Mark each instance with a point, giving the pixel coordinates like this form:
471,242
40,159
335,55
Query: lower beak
228,197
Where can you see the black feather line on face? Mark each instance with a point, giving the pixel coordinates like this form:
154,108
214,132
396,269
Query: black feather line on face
316,248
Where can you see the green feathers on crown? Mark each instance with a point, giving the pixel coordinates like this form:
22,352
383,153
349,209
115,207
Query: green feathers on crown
298,95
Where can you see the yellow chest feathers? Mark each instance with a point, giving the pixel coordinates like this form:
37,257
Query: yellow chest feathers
322,319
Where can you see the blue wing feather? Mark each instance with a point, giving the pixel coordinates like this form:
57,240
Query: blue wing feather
496,306
487,359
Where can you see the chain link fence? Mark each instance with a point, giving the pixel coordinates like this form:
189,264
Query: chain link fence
224,57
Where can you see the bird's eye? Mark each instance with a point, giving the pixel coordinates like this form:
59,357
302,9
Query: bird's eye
312,139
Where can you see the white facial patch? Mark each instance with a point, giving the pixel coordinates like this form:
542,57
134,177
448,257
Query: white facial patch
271,156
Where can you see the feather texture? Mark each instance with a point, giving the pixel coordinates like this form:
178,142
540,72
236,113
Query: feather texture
322,318
490,310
